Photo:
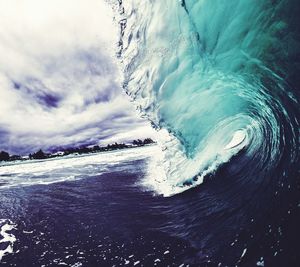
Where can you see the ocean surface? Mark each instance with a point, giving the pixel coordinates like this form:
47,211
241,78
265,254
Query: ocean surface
219,81
96,210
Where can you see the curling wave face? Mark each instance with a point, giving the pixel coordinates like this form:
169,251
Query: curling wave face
217,79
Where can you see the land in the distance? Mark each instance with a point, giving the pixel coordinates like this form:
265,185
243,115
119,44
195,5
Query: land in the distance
40,154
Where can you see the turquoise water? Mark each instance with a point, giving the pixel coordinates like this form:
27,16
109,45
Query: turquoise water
203,70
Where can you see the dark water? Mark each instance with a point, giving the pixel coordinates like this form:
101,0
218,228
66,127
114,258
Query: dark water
108,220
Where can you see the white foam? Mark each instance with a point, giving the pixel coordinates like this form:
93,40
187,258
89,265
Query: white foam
7,237
238,137
172,172
69,168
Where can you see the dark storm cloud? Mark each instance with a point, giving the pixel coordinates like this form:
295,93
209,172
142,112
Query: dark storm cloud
49,100
38,92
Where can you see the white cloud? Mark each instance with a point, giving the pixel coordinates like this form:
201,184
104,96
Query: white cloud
59,82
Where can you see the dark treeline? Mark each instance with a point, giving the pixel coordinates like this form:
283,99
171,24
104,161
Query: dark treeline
4,156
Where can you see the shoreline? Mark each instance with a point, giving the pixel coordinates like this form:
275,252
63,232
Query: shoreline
28,161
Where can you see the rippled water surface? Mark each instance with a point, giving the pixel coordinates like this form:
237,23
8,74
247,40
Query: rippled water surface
104,216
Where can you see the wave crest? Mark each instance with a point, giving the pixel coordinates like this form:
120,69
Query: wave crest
202,71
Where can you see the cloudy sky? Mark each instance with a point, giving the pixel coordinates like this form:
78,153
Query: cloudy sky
59,80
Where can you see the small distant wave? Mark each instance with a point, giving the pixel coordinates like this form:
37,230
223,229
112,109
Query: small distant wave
65,169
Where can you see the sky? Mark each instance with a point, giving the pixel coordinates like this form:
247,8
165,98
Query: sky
59,78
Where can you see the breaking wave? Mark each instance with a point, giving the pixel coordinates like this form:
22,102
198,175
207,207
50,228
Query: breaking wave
218,80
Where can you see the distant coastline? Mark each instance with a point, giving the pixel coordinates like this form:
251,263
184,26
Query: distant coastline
40,154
